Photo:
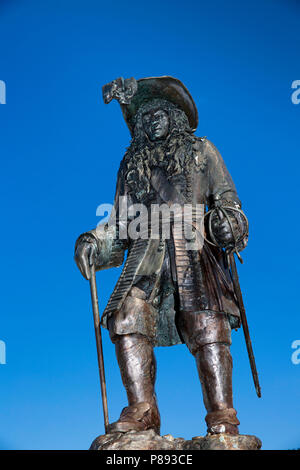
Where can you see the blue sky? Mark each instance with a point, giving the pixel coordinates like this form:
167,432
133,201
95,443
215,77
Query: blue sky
61,148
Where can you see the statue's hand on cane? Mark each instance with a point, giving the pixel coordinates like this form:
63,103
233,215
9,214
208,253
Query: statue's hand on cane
85,257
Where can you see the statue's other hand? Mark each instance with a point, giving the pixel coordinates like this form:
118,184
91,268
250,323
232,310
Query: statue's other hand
85,257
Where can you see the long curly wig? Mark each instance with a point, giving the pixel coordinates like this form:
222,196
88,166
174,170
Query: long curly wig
170,153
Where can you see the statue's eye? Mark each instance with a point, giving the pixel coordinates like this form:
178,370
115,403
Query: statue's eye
160,115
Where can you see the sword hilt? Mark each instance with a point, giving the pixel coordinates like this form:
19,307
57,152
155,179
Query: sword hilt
221,210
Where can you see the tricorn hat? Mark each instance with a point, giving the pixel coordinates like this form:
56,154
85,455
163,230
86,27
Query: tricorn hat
132,94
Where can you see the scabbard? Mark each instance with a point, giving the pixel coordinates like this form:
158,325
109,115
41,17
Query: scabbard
239,297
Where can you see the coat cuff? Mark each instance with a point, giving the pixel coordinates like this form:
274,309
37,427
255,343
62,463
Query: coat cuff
110,250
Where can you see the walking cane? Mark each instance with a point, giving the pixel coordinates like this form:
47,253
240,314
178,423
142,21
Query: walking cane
97,325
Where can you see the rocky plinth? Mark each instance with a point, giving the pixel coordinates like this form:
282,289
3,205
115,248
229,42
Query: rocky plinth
149,440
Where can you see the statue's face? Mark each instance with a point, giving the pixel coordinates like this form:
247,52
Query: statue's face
156,124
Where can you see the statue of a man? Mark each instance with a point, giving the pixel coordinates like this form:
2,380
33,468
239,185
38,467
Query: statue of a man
168,293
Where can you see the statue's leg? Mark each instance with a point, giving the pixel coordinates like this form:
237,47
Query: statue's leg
208,336
137,364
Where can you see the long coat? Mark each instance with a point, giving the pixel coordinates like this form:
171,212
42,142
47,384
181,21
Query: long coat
211,287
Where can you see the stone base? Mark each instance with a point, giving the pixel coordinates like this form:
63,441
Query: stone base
149,440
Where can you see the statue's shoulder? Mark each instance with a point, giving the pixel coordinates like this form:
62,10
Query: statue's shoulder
206,152
204,145
207,148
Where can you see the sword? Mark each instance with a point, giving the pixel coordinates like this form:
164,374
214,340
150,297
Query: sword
238,293
221,211
97,325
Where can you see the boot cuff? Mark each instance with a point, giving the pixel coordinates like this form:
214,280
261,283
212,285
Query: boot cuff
222,417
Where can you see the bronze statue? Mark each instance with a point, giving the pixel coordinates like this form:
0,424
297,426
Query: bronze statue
169,293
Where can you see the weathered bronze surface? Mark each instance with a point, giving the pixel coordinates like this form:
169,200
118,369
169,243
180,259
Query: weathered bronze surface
149,440
168,292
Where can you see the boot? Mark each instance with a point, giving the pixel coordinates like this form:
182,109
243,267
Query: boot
214,364
138,371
